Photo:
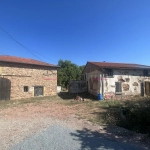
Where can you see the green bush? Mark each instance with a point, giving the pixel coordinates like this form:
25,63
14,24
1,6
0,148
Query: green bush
131,114
137,119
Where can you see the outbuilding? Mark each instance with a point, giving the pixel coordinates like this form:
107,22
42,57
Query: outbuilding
111,79
25,78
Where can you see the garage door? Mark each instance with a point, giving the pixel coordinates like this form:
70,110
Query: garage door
5,87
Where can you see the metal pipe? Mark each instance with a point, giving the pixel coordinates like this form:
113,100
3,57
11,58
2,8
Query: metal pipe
102,82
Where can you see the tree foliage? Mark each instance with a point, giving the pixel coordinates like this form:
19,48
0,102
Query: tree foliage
68,71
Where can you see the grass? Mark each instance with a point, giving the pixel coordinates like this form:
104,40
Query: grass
136,110
35,100
111,103
100,112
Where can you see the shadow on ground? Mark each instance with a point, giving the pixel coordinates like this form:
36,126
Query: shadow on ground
132,114
60,137
69,96
93,140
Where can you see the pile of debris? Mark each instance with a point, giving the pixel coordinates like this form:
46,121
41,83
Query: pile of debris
79,98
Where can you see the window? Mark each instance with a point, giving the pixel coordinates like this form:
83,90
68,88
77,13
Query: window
85,77
38,90
145,72
26,88
108,73
82,77
118,87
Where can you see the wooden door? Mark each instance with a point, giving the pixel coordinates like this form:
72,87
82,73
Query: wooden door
38,90
5,88
142,89
147,88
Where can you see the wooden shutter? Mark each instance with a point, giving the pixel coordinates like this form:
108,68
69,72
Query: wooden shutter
38,90
118,87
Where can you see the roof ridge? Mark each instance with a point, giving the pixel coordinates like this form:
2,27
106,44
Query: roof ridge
117,63
16,59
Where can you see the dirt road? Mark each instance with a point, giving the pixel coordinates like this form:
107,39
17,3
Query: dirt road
54,126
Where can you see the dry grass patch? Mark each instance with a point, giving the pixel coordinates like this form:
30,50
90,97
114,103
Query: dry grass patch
99,112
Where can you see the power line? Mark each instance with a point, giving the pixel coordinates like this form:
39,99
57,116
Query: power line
19,43
1,53
43,56
23,45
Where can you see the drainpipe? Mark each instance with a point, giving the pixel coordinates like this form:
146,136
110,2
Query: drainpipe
99,82
102,84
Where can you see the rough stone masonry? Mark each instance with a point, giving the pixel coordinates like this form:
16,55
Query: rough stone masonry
25,77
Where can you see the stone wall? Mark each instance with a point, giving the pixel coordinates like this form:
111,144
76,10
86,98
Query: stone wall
30,76
130,82
90,68
93,80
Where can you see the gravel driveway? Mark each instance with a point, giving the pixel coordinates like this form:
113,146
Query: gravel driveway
61,137
50,126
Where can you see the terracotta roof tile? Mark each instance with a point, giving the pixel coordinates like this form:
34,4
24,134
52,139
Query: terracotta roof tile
119,65
14,59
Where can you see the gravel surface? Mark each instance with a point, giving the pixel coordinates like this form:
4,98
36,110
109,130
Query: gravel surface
55,127
60,137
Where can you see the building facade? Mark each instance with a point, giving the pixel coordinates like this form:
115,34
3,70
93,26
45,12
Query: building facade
25,78
111,79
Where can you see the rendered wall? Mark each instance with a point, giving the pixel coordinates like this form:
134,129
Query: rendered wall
130,80
93,79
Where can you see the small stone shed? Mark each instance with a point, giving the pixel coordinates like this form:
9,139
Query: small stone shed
25,78
111,79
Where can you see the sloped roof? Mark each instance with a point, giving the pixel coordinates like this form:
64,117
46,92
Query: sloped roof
119,65
14,59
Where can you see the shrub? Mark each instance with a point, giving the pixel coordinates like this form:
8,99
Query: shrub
137,119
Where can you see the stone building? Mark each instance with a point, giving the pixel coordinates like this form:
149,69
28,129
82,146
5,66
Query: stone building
111,79
25,78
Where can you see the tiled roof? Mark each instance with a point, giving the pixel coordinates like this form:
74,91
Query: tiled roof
119,65
14,59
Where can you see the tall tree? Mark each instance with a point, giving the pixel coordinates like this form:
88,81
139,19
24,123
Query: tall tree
68,71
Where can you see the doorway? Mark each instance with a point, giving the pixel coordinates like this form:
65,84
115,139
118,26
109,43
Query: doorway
5,88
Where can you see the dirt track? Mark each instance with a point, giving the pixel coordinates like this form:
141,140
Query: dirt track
19,123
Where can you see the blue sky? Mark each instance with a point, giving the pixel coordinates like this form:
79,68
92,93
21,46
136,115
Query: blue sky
77,30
